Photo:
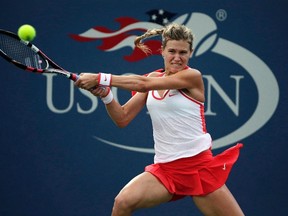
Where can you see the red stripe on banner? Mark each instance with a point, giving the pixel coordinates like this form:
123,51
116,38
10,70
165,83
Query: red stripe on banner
110,42
125,21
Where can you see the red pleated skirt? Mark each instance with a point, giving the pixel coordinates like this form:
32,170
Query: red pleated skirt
198,175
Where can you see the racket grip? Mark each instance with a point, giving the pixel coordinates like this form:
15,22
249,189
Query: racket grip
74,77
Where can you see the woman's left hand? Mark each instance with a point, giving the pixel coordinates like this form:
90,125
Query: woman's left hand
100,91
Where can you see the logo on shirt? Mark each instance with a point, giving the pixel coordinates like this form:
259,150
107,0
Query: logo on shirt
172,94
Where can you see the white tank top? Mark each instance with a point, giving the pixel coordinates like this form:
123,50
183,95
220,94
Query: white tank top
179,128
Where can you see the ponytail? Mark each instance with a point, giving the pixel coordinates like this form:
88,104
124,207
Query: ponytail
150,33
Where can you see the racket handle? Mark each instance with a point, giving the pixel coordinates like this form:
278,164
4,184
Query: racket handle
74,77
62,72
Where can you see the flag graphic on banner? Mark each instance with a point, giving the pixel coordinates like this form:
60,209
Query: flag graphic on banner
125,35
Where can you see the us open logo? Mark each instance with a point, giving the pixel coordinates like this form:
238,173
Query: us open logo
208,42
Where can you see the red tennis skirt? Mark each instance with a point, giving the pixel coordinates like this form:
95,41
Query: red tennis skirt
198,175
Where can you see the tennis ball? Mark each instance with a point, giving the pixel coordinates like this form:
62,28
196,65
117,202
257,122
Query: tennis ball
27,32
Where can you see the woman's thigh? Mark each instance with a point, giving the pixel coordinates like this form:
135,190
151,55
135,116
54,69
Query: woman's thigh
144,191
220,202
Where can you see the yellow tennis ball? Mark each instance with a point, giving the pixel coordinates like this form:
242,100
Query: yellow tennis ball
27,32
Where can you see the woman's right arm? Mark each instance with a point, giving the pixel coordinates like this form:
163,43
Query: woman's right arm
123,115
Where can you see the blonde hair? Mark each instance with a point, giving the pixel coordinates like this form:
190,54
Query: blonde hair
172,31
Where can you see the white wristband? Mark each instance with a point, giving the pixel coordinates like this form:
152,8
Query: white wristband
104,79
108,98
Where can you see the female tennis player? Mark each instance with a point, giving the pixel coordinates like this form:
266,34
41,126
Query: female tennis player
183,163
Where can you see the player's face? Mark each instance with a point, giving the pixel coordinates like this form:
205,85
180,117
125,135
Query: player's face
176,55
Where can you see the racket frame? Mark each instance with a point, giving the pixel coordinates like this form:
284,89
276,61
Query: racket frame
54,68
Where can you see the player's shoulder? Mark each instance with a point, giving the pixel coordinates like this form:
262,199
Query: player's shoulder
193,71
155,73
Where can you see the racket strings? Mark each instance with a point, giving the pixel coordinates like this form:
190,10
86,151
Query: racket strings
20,52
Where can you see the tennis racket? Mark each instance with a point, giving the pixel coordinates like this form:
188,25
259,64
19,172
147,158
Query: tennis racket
27,56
